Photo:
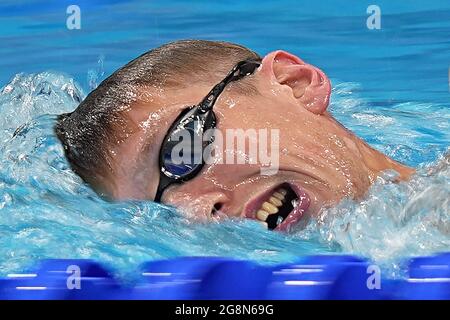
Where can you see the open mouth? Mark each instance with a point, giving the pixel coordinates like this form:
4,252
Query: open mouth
279,208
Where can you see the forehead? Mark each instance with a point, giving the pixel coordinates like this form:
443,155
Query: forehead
156,108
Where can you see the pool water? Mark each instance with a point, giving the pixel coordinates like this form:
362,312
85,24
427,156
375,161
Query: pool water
390,86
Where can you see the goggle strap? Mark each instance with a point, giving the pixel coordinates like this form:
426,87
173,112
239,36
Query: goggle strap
244,67
163,184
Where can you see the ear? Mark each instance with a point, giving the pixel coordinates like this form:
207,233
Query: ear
308,84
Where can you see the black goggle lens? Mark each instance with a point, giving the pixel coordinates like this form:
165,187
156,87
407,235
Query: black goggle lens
186,137
176,170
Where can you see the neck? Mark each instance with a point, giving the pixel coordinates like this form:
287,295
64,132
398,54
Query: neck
377,162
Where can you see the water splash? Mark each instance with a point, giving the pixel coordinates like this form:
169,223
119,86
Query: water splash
409,132
28,96
47,212
394,221
94,76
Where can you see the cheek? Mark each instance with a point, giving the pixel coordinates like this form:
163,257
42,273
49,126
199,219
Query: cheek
259,114
229,174
264,125
300,132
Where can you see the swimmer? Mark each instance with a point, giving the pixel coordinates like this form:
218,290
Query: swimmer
118,138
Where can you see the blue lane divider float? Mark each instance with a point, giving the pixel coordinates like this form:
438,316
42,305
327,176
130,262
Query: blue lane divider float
313,277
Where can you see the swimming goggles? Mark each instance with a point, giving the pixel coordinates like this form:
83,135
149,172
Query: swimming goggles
195,120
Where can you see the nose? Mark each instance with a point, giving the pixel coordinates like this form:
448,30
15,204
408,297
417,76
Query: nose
195,203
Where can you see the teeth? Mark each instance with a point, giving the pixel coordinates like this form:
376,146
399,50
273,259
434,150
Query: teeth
278,195
270,208
262,215
264,224
275,201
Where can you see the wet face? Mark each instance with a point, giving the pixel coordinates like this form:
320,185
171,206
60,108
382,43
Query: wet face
319,162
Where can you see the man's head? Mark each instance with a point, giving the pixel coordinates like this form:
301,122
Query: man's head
114,137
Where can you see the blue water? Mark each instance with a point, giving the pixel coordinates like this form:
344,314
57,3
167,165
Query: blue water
390,86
